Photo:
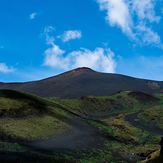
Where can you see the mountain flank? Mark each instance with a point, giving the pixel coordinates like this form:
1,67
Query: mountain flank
85,82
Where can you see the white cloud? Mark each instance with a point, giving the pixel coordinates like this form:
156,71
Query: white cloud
5,69
134,17
71,35
145,10
100,59
54,57
48,31
148,36
33,16
117,14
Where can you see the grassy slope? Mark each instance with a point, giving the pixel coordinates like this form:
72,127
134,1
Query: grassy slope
27,117
153,116
105,113
98,107
109,113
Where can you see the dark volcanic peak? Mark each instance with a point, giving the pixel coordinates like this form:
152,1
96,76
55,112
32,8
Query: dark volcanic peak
85,82
77,71
82,69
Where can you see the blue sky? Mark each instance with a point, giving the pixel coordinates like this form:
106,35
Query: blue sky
41,38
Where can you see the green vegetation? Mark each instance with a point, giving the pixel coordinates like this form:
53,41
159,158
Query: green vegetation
125,132
15,104
26,118
129,142
97,107
108,115
152,116
32,128
11,147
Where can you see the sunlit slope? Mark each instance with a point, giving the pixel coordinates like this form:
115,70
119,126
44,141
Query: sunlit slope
27,117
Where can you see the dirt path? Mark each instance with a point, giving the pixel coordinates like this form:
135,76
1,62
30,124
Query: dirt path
135,121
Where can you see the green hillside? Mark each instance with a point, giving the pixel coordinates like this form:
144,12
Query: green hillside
26,117
104,106
124,127
134,119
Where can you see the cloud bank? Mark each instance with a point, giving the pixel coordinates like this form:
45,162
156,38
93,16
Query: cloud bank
99,59
134,17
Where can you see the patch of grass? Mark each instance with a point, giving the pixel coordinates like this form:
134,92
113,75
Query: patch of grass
11,147
101,156
153,116
17,108
97,107
115,152
7,103
73,105
123,131
31,128
28,117
15,104
159,95
132,153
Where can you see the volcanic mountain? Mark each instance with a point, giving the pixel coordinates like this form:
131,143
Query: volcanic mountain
85,82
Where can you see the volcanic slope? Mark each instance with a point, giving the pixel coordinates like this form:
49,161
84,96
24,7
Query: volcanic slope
85,82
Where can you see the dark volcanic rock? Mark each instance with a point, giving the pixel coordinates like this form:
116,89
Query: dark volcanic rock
84,82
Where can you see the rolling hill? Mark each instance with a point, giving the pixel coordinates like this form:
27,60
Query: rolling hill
90,129
85,82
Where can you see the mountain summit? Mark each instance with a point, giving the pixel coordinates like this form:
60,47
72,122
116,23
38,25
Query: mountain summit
77,71
84,82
